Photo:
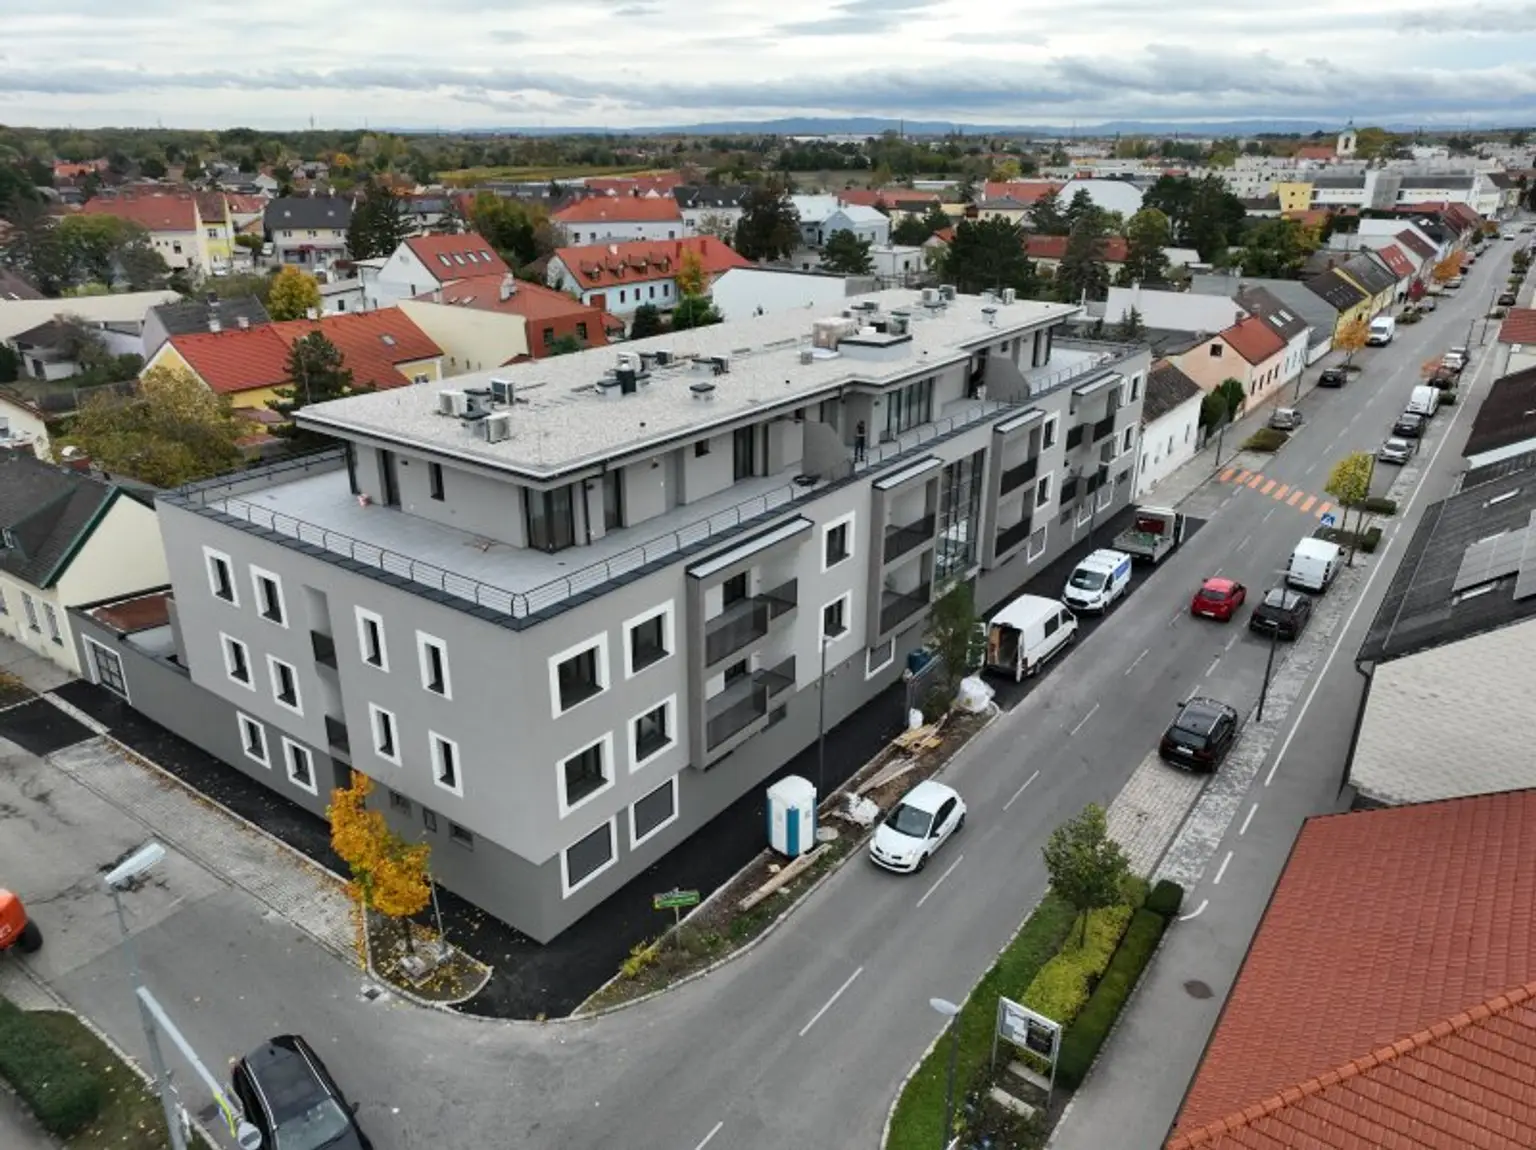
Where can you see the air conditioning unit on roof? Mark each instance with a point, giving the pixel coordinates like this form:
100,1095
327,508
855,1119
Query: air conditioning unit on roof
496,427
452,403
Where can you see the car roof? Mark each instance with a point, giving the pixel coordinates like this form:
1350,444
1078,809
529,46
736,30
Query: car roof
1202,708
1218,583
928,796
285,1074
1287,595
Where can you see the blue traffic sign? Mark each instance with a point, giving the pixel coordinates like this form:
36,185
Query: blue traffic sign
1329,520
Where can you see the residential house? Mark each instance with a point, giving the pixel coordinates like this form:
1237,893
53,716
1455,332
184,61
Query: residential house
1263,207
1172,310
425,263
1170,425
218,225
1401,265
209,313
1023,192
1047,252
619,278
24,426
1293,195
868,224
1428,230
1405,261
897,265
1505,424
309,231
1371,274
14,286
1370,1013
1517,339
244,209
1351,302
708,210
652,185
119,317
1285,321
896,202
482,323
1249,351
339,294
1000,208
67,537
620,219
1119,196
739,293
170,218
1418,250
555,698
430,212
50,351
814,211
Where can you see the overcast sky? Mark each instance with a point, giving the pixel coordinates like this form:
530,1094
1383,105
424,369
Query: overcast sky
522,63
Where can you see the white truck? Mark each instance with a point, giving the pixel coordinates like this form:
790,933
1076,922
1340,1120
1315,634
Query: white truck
1026,633
1383,328
1096,582
1155,532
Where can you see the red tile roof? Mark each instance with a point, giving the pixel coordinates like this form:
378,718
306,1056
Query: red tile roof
1416,244
872,197
154,211
535,303
1385,925
1055,247
1393,257
1254,339
230,362
612,265
241,205
1519,326
456,257
661,183
1316,152
1024,191
622,209
947,235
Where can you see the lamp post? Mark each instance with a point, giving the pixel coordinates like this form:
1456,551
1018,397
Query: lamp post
821,721
136,864
949,1010
1269,667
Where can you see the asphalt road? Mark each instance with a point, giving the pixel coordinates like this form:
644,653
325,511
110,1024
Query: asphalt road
802,1041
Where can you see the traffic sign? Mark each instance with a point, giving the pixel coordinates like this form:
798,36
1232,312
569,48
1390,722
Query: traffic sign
675,899
1329,520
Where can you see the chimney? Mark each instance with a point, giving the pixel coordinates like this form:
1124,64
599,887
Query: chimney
244,322
312,313
508,286
214,325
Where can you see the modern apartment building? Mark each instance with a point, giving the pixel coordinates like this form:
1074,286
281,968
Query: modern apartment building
565,612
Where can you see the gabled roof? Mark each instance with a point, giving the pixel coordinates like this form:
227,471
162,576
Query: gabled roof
645,261
456,257
890,197
1167,388
188,316
1393,257
13,287
1254,339
620,209
1369,272
245,205
534,302
1435,183
859,214
660,183
1055,248
1415,244
1315,152
232,361
1025,192
1507,414
152,211
1519,326
706,196
289,212
48,513
1286,322
1336,290
1386,998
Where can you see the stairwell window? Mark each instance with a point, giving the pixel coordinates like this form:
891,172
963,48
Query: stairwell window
285,684
433,655
31,609
435,478
52,616
221,576
445,763
269,596
237,662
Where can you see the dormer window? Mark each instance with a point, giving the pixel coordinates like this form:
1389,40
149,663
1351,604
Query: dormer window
8,539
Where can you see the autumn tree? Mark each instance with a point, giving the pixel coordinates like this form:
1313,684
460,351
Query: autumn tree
769,227
389,874
1147,235
846,254
1088,869
292,294
1448,268
691,278
1350,483
1351,337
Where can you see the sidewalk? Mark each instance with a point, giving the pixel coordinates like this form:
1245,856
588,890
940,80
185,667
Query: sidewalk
17,1129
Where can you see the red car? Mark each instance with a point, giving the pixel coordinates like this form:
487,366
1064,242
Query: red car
1218,599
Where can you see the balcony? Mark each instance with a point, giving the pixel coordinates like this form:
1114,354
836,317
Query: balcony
896,606
1010,537
900,540
336,737
1075,438
1068,491
324,647
1016,477
747,620
745,702
1104,428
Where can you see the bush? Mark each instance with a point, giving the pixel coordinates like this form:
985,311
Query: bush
64,1096
1370,540
1063,984
1265,439
1496,313
1410,317
1082,1040
1376,505
1166,899
1448,397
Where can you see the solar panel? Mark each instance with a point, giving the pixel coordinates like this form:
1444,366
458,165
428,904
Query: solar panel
1525,584
1490,559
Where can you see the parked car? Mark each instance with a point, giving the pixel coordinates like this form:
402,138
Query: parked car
1395,450
1444,377
1408,426
918,825
292,1100
1282,611
1286,419
1333,377
1218,598
1506,299
1200,735
1455,282
1428,303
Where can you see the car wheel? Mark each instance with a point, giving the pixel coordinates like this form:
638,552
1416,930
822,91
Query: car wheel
960,826
921,863
31,939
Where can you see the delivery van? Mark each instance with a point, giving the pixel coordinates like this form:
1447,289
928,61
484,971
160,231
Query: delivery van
1315,563
1424,400
1096,582
1026,633
1383,328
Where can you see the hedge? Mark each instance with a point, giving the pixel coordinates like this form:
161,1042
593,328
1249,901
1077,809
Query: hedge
1448,398
1265,439
1367,542
64,1096
1082,1040
1166,899
1063,984
1376,505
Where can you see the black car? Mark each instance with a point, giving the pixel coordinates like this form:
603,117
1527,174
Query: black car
1282,611
1506,299
1409,424
1332,377
290,1097
1200,735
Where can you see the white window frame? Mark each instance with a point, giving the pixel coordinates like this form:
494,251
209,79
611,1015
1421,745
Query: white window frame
435,743
604,679
297,706
1135,387
871,672
669,705
291,751
636,840
423,641
668,638
846,599
1050,432
566,889
1045,485
29,608
226,642
605,741
1085,509
364,617
210,556
257,575
97,649
850,521
375,729
1128,440
51,613
1030,555
245,723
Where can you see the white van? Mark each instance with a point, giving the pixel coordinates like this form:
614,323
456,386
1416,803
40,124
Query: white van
1424,401
1314,564
1383,328
1027,632
1096,582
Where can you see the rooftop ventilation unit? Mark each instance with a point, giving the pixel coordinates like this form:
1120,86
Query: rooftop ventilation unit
1010,295
720,363
807,355
899,323
503,392
496,427
990,313
628,362
663,357
702,392
478,401
452,403
947,293
930,297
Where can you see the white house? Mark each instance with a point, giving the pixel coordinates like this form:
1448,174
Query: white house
425,263
620,278
1172,310
23,425
709,210
865,223
603,219
814,212
740,293
1170,425
897,264
1108,195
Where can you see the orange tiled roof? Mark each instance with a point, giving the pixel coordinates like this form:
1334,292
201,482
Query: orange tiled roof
1055,247
1316,152
1384,925
626,209
242,205
154,211
660,183
1254,339
1023,191
230,362
639,261
457,257
1519,326
533,302
947,235
1393,257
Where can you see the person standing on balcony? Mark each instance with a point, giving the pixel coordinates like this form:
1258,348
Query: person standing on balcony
858,442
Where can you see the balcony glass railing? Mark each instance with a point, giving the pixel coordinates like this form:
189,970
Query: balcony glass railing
1016,477
746,702
900,540
1010,537
1104,428
897,606
747,620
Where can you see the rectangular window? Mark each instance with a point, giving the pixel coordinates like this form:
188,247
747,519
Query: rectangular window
551,519
613,500
652,733
650,640
461,836
701,449
237,662
877,659
578,673
834,618
908,407
285,684
429,819
1135,387
53,623
587,858
221,576
734,589
301,766
253,740
31,609
433,655
581,332
386,744
435,480
445,763
585,774
4,610
837,542
109,669
744,453
1129,441
653,812
370,639
269,596
398,802
1043,490
549,335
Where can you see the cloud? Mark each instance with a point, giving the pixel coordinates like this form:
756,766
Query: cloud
859,18
633,11
1473,19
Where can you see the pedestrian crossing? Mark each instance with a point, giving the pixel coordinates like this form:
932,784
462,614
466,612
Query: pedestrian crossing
1293,497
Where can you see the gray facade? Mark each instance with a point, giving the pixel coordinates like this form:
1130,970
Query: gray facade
575,646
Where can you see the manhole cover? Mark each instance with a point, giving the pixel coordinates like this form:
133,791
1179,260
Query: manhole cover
373,992
1197,989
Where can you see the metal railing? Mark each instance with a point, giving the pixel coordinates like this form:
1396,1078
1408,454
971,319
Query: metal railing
900,540
894,607
1016,477
748,620
739,708
981,410
1105,354
1010,537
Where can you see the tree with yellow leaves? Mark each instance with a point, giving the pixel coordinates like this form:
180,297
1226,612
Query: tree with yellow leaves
293,294
1448,268
1351,338
388,873
690,275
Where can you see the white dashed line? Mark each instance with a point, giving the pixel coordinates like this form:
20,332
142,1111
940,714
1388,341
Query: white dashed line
1251,812
1138,659
1247,539
940,879
815,1018
1083,721
1021,790
1233,641
1211,670
708,1138
1221,870
1267,514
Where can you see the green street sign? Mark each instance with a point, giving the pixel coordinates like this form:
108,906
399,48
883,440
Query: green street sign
675,900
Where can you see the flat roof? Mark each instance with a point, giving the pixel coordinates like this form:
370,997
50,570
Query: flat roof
561,424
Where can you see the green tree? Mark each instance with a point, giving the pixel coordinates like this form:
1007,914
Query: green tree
1214,410
646,322
319,373
565,345
769,227
1078,207
507,225
951,634
988,254
10,365
694,311
910,230
1131,325
1232,394
1088,869
142,266
1147,235
1276,249
1046,217
846,254
292,294
1350,483
379,224
1215,219
1082,272
92,245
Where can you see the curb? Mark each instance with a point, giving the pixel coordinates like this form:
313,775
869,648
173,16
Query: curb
445,1005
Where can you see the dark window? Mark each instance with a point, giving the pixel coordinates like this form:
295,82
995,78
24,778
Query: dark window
613,500
239,663
429,819
734,589
909,407
373,642
578,678
384,733
1052,625
549,336
701,449
654,809
583,774
445,762
435,480
588,856
834,619
299,767
462,836
551,519
223,583
284,684
581,332
253,738
1215,351
651,734
269,599
744,452
399,802
648,642
434,668
737,670
837,544
109,671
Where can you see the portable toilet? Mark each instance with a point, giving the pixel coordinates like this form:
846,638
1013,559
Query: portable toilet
792,816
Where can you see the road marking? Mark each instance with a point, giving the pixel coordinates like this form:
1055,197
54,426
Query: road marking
1221,870
708,1138
1242,830
1174,622
1307,504
1295,497
1255,481
1021,790
940,879
1280,493
1242,476
1267,514
1247,539
1197,912
1209,671
815,1018
1268,487
1232,640
1353,421
1143,655
1083,720
1323,509
1227,474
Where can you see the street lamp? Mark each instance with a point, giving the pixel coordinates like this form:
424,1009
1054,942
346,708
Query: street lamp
1269,667
136,864
821,719
949,1010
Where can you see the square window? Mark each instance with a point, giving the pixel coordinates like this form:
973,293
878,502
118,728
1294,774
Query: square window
834,618
578,673
435,480
253,740
445,763
1215,351
370,639
461,836
837,542
585,774
269,596
650,640
652,733
587,858
398,802
237,662
285,684
301,766
653,812
31,609
386,740
429,819
877,659
433,654
701,449
221,576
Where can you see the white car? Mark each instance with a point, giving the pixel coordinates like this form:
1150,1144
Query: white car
917,826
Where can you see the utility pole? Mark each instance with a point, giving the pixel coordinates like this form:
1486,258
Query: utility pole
1269,668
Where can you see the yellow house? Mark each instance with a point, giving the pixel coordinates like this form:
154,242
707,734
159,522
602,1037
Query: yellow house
1351,302
171,219
1372,277
218,229
1294,196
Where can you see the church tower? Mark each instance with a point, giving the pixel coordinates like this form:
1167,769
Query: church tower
1347,140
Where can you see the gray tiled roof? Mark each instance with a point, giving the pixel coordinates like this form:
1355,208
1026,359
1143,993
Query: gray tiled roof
1507,415
307,212
708,196
1285,321
1336,290
46,510
1369,272
190,316
1318,312
1167,387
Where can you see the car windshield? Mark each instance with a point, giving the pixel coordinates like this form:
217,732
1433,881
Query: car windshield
319,1125
1277,598
1087,580
1184,737
908,820
1214,594
1398,444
